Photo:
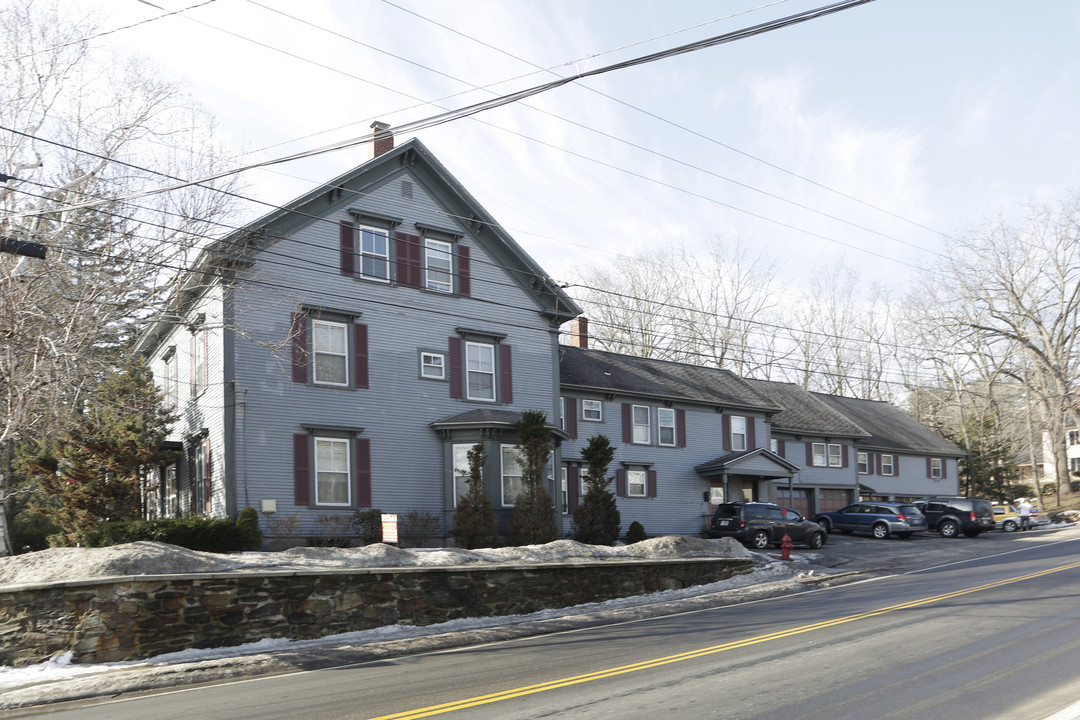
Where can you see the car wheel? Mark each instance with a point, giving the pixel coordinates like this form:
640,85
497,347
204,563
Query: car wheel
816,541
825,523
760,540
1009,526
948,529
881,531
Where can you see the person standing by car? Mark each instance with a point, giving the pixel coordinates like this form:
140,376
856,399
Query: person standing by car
1024,511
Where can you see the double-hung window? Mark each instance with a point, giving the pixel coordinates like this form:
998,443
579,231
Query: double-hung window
480,371
738,433
836,458
636,482
198,361
935,468
592,410
331,471
828,455
887,465
642,431
374,253
330,344
863,461
511,475
438,265
461,470
168,379
665,424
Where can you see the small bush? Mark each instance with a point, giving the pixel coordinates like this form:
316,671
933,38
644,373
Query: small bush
196,532
368,524
419,526
31,530
635,533
247,529
285,527
336,530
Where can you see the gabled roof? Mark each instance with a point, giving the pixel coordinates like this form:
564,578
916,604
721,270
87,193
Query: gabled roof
605,372
730,463
463,210
804,414
889,427
486,418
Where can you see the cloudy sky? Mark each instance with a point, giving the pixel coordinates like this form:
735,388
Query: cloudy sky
863,137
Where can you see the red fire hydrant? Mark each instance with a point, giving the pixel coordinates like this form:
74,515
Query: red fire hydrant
785,547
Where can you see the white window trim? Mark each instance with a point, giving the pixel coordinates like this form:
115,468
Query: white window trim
862,462
199,361
661,426
502,472
586,409
426,364
774,446
168,380
562,413
644,482
823,454
838,455
383,257
937,465
493,372
565,491
888,466
635,425
438,248
459,470
742,436
347,472
315,352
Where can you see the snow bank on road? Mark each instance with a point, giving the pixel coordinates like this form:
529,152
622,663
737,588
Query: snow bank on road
154,558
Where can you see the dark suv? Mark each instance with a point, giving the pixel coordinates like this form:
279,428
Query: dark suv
760,525
951,516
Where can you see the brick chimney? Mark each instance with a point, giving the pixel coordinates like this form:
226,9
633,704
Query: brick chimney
579,332
384,139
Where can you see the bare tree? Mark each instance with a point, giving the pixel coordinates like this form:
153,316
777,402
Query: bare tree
76,129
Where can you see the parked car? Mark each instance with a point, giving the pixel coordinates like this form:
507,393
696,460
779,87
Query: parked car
1007,518
951,516
760,525
880,519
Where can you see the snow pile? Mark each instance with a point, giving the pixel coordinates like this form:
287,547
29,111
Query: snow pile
155,558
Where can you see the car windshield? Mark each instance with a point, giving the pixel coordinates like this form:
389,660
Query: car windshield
909,510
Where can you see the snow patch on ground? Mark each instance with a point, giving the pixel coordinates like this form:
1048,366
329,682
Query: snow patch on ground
155,558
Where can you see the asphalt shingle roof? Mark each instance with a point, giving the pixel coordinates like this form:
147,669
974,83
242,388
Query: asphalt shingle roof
625,374
890,428
804,414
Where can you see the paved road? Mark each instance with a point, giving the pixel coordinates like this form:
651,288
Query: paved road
990,637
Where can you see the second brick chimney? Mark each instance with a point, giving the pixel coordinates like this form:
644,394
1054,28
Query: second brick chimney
579,332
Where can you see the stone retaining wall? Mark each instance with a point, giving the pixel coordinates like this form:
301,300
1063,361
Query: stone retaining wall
125,618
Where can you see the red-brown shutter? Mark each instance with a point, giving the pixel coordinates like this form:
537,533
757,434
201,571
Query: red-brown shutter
298,332
348,248
626,432
651,490
751,433
896,465
809,454
506,374
929,470
464,282
944,464
360,356
680,428
455,367
363,472
573,486
408,259
620,482
191,477
571,417
301,469
844,456
878,461
725,430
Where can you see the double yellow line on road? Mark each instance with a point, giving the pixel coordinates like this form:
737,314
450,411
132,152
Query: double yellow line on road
702,652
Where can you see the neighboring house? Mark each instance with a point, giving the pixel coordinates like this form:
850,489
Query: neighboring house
346,350
901,459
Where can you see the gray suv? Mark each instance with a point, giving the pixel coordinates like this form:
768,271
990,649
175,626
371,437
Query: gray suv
951,516
760,525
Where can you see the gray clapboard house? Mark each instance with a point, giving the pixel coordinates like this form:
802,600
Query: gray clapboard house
345,350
